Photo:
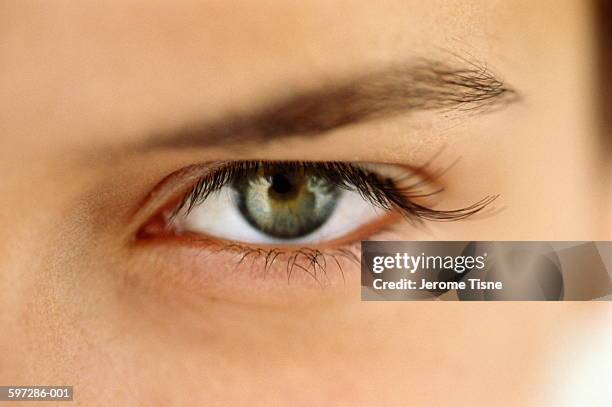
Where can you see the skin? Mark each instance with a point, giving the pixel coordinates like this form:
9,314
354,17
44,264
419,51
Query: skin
83,81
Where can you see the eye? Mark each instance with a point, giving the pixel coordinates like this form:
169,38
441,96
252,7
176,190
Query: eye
280,204
303,203
275,232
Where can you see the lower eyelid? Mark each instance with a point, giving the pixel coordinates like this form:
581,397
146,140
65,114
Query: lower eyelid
256,275
212,269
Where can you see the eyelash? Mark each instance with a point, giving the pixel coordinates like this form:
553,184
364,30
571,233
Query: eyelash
316,260
383,192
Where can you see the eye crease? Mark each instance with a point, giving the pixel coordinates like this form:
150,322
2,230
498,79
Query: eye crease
304,203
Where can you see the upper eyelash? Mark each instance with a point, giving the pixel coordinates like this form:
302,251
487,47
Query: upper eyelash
383,192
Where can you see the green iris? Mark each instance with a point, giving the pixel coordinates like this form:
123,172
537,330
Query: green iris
286,203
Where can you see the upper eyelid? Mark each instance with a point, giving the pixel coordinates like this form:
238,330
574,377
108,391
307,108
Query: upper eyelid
175,185
200,191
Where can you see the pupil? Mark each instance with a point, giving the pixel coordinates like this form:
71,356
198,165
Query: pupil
281,184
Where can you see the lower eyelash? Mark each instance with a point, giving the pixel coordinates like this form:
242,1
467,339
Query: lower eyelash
313,262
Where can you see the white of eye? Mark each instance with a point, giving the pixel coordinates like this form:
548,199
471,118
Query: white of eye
219,216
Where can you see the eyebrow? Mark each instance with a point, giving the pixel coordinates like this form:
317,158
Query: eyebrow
427,85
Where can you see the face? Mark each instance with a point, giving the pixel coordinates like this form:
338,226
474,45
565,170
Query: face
185,189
